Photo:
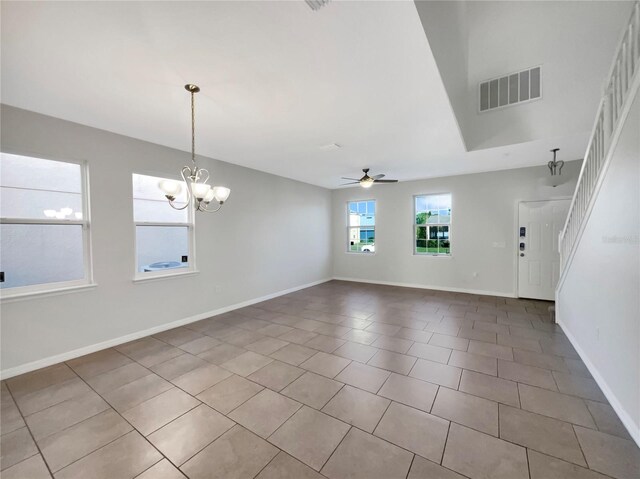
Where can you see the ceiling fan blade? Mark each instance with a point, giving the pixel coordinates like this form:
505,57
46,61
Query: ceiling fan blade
354,183
385,181
377,177
352,179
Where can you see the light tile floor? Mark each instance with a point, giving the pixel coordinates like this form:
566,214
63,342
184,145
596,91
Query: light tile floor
342,380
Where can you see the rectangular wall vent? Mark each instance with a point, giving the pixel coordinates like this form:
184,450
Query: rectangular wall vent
316,4
518,87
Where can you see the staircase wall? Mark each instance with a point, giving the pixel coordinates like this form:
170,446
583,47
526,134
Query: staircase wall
598,300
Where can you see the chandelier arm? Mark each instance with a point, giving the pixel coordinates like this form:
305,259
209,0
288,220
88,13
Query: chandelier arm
186,182
187,174
200,208
203,170
176,208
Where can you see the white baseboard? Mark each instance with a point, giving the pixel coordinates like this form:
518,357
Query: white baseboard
632,428
76,353
422,286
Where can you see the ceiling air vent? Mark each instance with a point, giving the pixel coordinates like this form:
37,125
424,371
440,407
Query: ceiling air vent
317,4
518,87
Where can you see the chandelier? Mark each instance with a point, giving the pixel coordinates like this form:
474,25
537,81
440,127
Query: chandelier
195,179
555,168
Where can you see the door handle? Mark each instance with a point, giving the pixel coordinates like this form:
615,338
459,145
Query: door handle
521,254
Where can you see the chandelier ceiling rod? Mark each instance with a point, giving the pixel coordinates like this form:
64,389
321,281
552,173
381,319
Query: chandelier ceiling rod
193,89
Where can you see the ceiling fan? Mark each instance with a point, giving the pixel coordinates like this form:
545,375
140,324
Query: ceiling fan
367,181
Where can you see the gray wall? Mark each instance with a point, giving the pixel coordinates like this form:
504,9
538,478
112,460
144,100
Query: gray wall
484,211
272,235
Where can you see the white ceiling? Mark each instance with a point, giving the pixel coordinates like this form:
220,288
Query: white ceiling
278,82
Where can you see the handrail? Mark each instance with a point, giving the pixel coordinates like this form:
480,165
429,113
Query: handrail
625,67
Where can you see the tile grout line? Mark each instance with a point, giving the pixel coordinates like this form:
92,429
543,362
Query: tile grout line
58,404
380,420
26,425
410,466
584,456
102,446
148,399
209,443
151,467
280,451
124,419
499,431
270,461
444,447
336,448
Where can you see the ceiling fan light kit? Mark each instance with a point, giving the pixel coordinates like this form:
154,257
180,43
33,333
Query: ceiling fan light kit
199,191
367,181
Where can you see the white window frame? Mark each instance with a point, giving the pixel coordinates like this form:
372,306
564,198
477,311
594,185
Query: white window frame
140,276
87,258
416,225
368,227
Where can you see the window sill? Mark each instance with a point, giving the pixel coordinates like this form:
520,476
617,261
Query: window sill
159,277
433,255
10,298
360,253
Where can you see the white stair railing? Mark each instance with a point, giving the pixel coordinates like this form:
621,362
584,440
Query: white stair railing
624,70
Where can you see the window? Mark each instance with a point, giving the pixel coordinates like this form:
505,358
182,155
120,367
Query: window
44,226
164,236
361,226
433,224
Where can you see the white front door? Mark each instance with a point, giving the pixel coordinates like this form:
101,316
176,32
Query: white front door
537,248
